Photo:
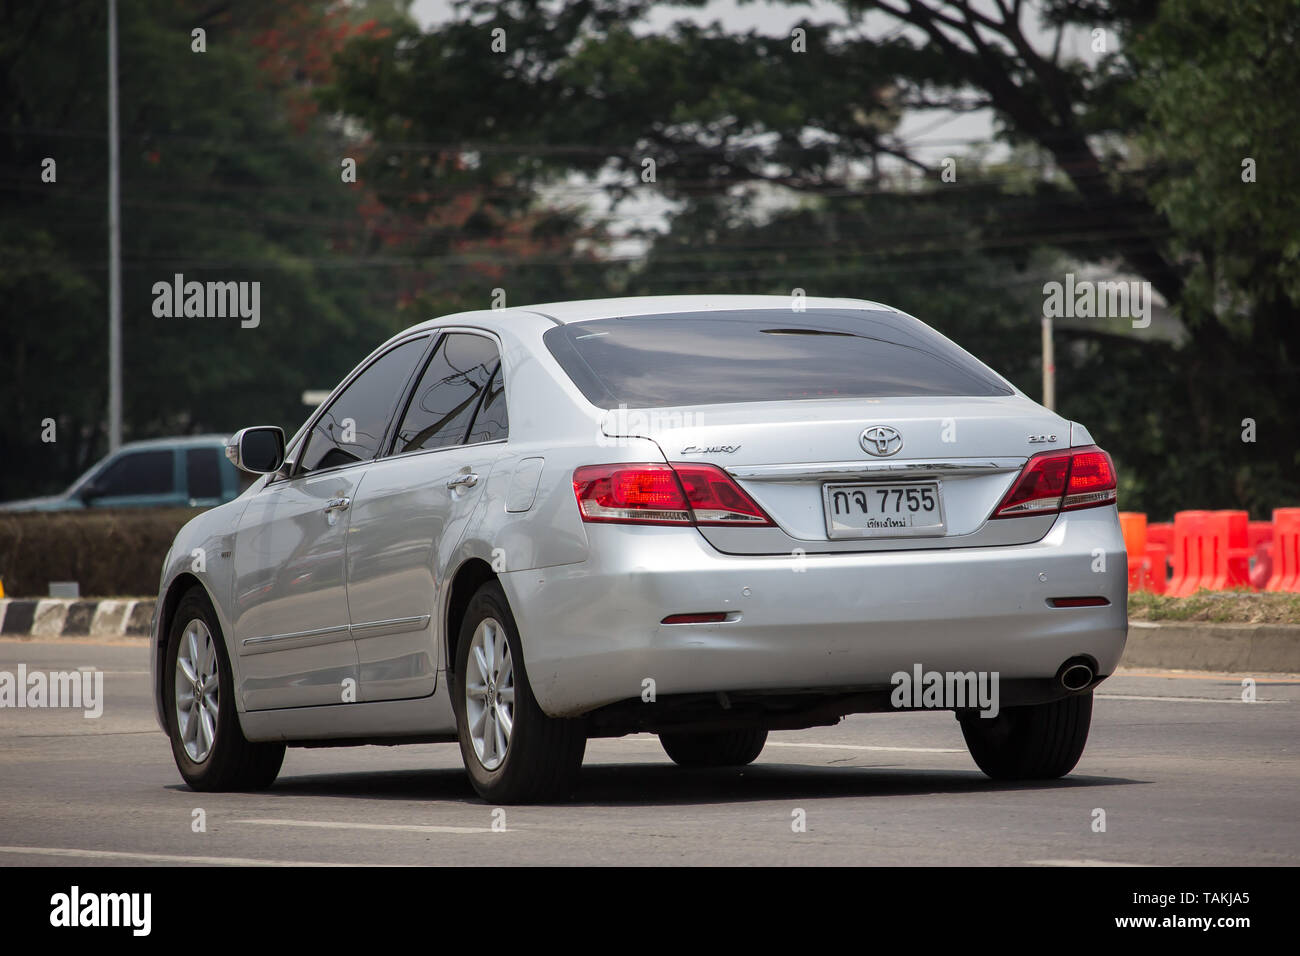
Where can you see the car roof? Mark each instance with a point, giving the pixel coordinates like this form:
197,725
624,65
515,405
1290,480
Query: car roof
179,441
586,310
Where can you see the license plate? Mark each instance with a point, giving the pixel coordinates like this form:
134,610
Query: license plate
875,510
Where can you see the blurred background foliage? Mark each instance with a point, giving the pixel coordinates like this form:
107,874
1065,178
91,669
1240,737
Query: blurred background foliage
774,169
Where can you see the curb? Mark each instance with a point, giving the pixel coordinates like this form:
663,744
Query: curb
1198,646
72,617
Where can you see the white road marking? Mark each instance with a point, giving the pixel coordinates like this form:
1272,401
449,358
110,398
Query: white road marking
652,739
1082,863
337,825
1189,700
906,750
163,857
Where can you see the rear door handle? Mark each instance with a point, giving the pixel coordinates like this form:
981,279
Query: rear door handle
463,481
337,504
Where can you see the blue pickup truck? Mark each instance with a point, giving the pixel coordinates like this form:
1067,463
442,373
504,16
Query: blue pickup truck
189,472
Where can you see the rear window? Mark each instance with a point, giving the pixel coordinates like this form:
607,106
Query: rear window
706,358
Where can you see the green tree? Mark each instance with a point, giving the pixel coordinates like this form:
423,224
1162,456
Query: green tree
578,90
225,176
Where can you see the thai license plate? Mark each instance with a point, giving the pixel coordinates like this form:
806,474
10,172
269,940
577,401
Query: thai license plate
875,510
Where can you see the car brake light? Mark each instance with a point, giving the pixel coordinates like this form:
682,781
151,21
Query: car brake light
645,493
1092,480
716,498
1061,481
650,493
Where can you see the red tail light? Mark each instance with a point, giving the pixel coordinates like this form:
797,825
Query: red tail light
1092,480
1061,481
649,493
716,498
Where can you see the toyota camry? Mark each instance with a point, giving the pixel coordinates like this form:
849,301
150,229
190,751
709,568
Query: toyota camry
702,517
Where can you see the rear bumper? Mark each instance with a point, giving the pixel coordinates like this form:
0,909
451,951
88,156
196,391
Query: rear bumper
592,635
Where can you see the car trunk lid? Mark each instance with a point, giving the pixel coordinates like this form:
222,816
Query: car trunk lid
819,468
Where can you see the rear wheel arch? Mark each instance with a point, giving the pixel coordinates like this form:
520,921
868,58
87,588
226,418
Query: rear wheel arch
469,577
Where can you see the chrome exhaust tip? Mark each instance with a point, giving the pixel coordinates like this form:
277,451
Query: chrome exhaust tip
1076,675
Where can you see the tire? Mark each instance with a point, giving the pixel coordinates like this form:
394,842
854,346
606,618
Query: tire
229,761
542,755
729,748
1036,742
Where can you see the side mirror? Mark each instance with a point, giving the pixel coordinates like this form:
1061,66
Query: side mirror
258,450
90,491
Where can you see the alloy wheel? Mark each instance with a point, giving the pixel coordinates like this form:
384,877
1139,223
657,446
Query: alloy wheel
197,690
490,693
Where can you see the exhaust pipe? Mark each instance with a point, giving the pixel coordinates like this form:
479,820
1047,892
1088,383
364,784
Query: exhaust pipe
1076,674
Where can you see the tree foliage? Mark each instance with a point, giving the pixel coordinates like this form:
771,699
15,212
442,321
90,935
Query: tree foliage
1134,179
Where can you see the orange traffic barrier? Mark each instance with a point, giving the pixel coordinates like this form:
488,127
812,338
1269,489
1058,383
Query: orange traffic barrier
1161,532
1134,526
1212,550
1261,570
1260,536
1188,555
1225,551
1152,571
1259,533
1286,551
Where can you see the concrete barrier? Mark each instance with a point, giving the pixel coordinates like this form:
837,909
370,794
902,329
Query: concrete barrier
1197,646
69,617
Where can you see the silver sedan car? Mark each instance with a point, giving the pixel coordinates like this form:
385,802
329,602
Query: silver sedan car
704,517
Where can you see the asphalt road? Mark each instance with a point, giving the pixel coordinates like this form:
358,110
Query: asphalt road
1185,772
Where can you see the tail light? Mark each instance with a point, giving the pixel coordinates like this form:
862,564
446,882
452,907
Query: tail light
1061,481
684,493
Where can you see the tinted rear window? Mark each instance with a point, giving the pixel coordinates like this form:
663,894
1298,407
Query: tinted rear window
704,358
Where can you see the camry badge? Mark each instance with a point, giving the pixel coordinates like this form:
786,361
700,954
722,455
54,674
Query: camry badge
710,449
881,440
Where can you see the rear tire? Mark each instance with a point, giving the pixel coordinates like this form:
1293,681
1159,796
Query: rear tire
1035,742
513,752
728,748
212,754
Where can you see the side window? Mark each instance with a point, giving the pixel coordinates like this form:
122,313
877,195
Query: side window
351,429
491,423
137,473
448,393
203,473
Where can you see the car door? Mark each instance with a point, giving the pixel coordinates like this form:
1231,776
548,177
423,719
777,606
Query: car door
290,600
413,509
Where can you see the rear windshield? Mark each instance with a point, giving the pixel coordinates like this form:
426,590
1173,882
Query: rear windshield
706,358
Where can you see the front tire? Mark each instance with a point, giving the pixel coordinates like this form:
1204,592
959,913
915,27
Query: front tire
513,752
208,745
728,748
1035,742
